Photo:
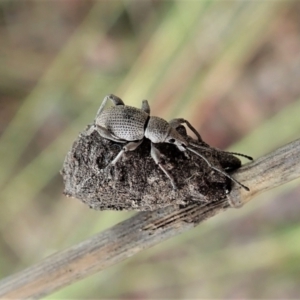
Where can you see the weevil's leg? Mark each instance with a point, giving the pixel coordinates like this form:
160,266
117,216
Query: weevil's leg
146,107
128,147
114,99
90,130
104,133
156,155
176,122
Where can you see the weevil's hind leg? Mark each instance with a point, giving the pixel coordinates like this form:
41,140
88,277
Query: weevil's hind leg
131,146
176,122
146,107
90,130
104,133
156,155
114,99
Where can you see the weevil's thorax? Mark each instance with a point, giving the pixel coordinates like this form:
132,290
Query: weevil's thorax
125,122
157,130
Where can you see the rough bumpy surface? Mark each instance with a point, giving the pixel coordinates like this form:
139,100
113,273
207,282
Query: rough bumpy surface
125,122
136,182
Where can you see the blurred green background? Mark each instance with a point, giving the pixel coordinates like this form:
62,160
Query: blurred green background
230,67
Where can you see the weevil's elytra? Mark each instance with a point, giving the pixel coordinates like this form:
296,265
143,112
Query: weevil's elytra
129,126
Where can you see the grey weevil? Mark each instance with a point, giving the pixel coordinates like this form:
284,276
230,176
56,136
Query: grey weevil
130,125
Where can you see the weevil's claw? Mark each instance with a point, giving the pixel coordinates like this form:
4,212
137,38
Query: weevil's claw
108,171
186,155
174,186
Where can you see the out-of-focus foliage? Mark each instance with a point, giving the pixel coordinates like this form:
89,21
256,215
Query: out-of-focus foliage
230,67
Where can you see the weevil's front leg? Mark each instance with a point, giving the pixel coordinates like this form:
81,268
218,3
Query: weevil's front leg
156,155
128,147
114,99
176,122
146,107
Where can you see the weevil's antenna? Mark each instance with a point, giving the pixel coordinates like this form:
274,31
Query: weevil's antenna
234,153
218,170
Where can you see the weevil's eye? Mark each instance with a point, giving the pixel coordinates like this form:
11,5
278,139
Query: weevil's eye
172,141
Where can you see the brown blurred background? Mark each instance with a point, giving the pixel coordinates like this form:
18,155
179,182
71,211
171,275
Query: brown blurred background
230,67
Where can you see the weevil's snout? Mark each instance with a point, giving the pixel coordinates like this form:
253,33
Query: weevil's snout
175,138
159,131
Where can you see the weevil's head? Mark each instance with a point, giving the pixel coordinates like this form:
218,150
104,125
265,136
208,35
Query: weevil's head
174,137
159,131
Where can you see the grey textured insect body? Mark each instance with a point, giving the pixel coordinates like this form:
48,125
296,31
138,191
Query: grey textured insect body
130,125
126,124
